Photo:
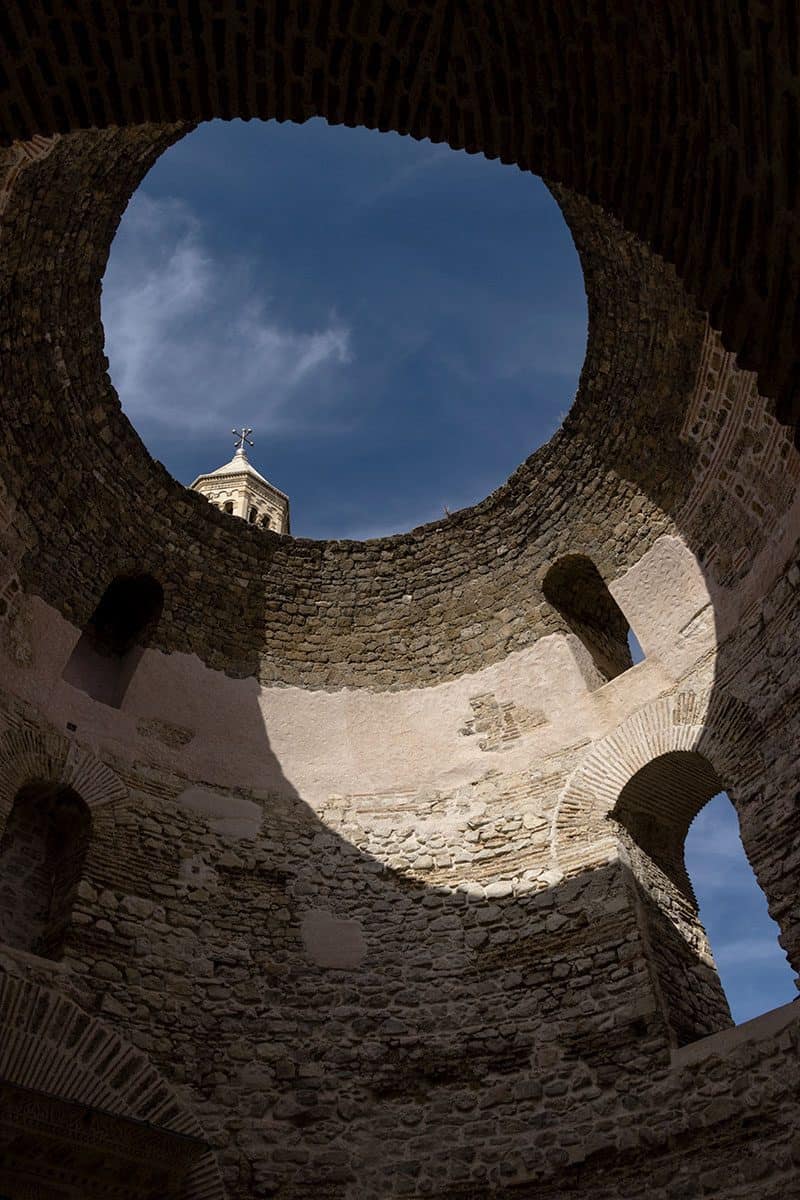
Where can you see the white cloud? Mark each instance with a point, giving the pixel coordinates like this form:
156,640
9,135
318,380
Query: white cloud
427,156
194,342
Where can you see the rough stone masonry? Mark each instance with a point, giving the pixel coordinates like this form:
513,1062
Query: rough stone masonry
366,878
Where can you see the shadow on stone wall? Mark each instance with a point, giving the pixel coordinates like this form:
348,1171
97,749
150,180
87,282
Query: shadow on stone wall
482,1042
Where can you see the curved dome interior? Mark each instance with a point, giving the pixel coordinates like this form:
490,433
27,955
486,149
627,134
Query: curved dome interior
379,897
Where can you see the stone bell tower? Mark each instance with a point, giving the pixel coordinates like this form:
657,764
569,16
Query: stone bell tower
238,488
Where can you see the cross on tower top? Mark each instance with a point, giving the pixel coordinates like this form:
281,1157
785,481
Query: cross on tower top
241,491
243,439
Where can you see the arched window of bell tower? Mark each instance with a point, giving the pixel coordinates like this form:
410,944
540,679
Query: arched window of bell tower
42,853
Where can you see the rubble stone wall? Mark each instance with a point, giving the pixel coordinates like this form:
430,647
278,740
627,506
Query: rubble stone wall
356,908
390,943
388,613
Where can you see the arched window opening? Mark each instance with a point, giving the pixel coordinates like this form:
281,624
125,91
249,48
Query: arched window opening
228,507
653,813
105,658
265,521
577,591
752,965
42,852
251,516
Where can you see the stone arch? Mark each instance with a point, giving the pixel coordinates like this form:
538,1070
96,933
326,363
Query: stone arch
658,804
106,655
725,732
632,800
49,1045
29,755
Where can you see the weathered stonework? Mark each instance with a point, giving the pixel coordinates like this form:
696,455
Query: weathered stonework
501,723
384,892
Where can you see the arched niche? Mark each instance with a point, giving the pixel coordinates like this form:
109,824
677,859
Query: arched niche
42,852
50,787
632,801
42,753
658,804
108,651
73,1072
577,591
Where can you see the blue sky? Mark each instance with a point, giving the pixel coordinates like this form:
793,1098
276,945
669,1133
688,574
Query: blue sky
744,939
743,936
401,325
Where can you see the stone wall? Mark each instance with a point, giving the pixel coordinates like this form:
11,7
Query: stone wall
393,612
356,913
388,613
461,985
355,926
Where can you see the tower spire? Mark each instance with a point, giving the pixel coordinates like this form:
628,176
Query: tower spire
241,491
242,440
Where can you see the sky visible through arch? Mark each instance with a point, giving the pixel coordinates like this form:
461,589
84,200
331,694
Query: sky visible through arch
401,325
744,939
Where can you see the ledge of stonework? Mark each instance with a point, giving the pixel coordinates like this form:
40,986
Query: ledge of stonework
718,1045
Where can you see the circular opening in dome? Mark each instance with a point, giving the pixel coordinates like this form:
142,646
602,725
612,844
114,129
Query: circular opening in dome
399,324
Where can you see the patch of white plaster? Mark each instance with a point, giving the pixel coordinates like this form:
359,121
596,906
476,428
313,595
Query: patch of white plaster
662,594
314,745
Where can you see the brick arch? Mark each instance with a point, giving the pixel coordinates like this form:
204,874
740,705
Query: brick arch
45,755
48,1044
725,733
